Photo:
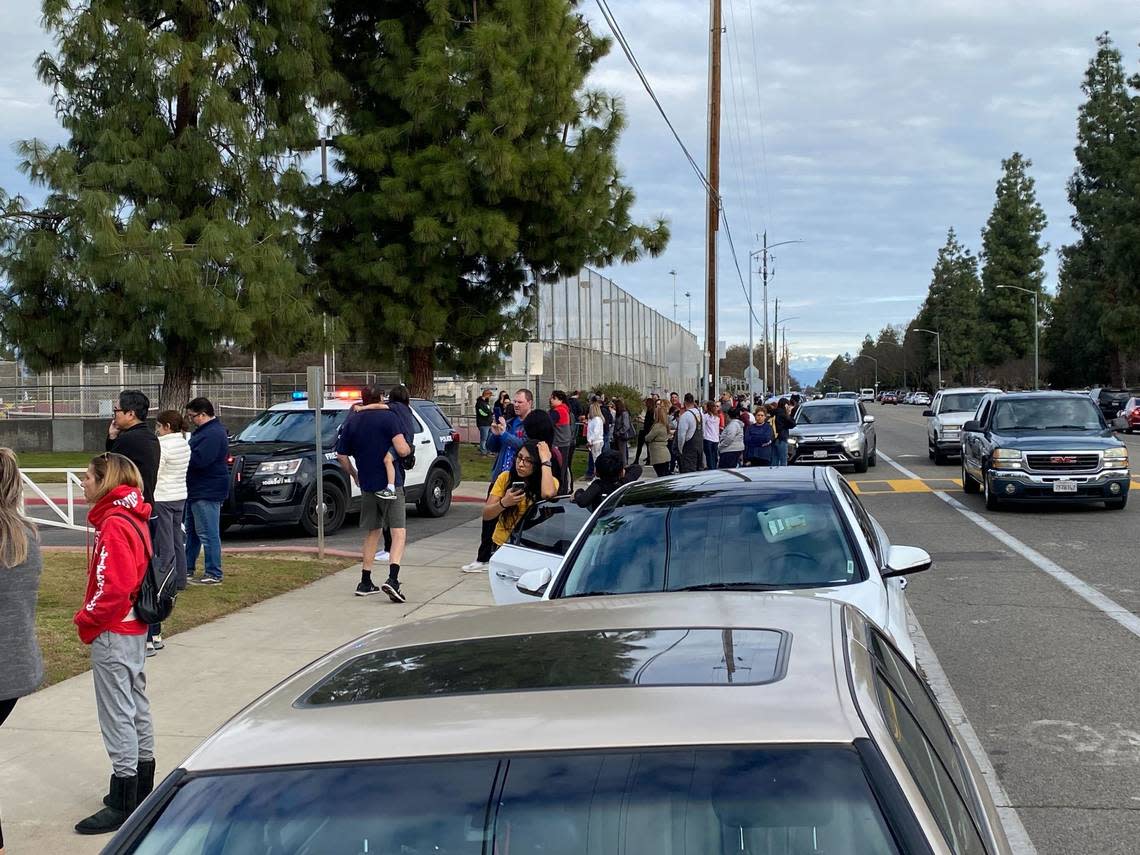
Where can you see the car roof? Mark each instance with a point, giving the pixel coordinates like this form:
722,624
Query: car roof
1042,395
821,401
954,390
809,702
754,479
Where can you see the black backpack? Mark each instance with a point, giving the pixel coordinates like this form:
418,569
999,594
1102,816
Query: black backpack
155,600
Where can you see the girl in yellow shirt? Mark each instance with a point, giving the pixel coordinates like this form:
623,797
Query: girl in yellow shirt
533,471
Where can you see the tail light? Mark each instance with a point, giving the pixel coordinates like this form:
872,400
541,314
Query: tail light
455,436
230,460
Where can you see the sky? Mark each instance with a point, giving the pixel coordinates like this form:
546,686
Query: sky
865,130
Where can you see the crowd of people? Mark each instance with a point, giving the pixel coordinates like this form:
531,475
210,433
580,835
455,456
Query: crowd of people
147,489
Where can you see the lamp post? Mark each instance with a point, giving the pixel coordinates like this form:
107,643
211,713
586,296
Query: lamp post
764,252
1036,364
673,273
777,334
938,341
689,297
873,359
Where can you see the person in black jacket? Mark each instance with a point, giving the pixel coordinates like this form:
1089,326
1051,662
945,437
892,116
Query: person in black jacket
129,436
207,487
612,473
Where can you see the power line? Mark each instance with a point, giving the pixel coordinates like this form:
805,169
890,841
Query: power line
760,115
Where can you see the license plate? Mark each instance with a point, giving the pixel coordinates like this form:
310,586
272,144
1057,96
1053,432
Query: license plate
1064,486
819,454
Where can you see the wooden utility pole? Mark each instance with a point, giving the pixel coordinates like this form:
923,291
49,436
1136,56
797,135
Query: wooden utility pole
711,343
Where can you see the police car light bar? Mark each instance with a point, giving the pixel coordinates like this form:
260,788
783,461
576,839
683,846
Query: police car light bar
348,394
300,396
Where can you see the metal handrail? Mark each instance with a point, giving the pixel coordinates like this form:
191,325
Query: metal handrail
66,519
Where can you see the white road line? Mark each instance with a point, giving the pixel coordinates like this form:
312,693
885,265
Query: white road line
1079,587
1015,832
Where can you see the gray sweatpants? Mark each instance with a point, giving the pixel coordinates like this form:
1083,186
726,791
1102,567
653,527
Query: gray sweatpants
169,540
120,699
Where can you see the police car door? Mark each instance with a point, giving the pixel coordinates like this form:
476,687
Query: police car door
423,444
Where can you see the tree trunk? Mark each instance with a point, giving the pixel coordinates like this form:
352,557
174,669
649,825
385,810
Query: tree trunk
1116,367
177,377
421,367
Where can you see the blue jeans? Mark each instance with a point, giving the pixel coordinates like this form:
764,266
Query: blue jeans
484,432
203,532
712,454
780,458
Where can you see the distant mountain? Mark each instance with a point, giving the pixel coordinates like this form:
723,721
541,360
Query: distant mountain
809,370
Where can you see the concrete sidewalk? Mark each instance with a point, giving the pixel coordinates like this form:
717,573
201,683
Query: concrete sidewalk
53,768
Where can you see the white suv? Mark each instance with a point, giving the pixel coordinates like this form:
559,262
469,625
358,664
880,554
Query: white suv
951,409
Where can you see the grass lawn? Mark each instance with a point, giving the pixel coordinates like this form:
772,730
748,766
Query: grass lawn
249,579
53,460
476,467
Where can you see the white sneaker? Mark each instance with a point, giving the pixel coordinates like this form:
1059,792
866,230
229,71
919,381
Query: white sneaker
382,555
474,567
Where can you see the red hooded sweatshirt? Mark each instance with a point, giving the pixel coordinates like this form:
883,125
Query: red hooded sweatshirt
118,563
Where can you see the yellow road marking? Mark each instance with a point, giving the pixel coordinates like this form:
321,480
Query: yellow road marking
906,485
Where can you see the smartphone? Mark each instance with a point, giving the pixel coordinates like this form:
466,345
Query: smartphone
518,486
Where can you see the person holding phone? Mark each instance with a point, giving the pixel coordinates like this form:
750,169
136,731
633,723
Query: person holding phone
530,478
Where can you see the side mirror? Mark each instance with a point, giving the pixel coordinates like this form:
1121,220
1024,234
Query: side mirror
972,426
928,413
1120,424
868,420
533,583
904,560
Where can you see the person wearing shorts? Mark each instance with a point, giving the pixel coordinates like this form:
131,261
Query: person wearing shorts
364,439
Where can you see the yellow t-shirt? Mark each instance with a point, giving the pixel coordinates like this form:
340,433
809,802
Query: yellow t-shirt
510,517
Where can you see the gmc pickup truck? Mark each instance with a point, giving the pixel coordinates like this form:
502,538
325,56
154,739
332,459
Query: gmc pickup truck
1043,446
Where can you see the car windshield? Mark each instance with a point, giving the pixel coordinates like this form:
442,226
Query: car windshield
687,802
293,426
717,539
828,414
1047,414
961,402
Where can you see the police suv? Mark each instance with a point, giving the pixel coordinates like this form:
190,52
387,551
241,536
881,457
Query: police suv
273,465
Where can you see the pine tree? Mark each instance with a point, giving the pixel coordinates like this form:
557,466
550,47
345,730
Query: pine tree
1074,343
952,308
1013,255
1101,291
167,230
473,159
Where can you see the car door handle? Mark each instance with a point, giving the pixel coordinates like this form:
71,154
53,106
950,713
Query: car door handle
425,442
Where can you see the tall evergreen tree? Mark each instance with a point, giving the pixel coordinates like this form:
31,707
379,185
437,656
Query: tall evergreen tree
1012,254
1074,343
167,228
1101,286
952,309
473,159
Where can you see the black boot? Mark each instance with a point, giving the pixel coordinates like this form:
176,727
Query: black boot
146,781
124,797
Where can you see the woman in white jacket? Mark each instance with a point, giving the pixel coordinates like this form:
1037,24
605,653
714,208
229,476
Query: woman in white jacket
596,430
170,494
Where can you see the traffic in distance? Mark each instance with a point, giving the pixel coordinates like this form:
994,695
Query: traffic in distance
774,591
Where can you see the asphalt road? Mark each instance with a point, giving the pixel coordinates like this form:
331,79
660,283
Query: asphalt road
1049,681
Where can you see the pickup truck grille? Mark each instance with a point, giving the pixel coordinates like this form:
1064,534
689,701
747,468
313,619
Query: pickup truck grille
1060,461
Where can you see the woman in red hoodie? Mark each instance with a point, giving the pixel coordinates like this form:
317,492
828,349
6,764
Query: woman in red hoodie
112,486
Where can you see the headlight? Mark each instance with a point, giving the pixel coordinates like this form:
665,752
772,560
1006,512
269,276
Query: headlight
1116,458
279,467
1006,458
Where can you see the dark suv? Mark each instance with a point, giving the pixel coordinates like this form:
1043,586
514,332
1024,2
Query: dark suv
1043,446
273,467
1111,401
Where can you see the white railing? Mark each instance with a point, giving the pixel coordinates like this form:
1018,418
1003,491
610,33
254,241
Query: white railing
64,514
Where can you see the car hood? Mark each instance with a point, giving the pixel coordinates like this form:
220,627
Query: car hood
1062,440
269,449
809,431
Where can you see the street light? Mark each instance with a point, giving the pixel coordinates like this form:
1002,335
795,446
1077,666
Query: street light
689,297
673,273
777,327
1036,368
938,340
873,359
764,252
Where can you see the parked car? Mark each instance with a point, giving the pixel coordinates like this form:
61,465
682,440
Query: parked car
854,396
1111,401
273,466
921,399
1043,446
750,529
1131,415
866,395
837,432
561,729
951,409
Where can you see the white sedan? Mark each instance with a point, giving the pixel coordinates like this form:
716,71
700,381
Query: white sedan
748,529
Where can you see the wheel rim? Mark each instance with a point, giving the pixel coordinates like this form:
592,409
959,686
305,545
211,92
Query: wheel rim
438,494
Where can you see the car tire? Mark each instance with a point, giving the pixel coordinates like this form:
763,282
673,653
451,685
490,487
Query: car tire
336,504
940,459
993,503
874,458
436,499
929,450
861,466
1116,504
969,485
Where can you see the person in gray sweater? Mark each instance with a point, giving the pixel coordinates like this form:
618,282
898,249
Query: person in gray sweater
20,566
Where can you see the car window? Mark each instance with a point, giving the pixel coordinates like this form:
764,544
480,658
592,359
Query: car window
828,414
866,527
777,539
985,411
930,776
293,426
960,402
433,415
1069,413
550,527
680,801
